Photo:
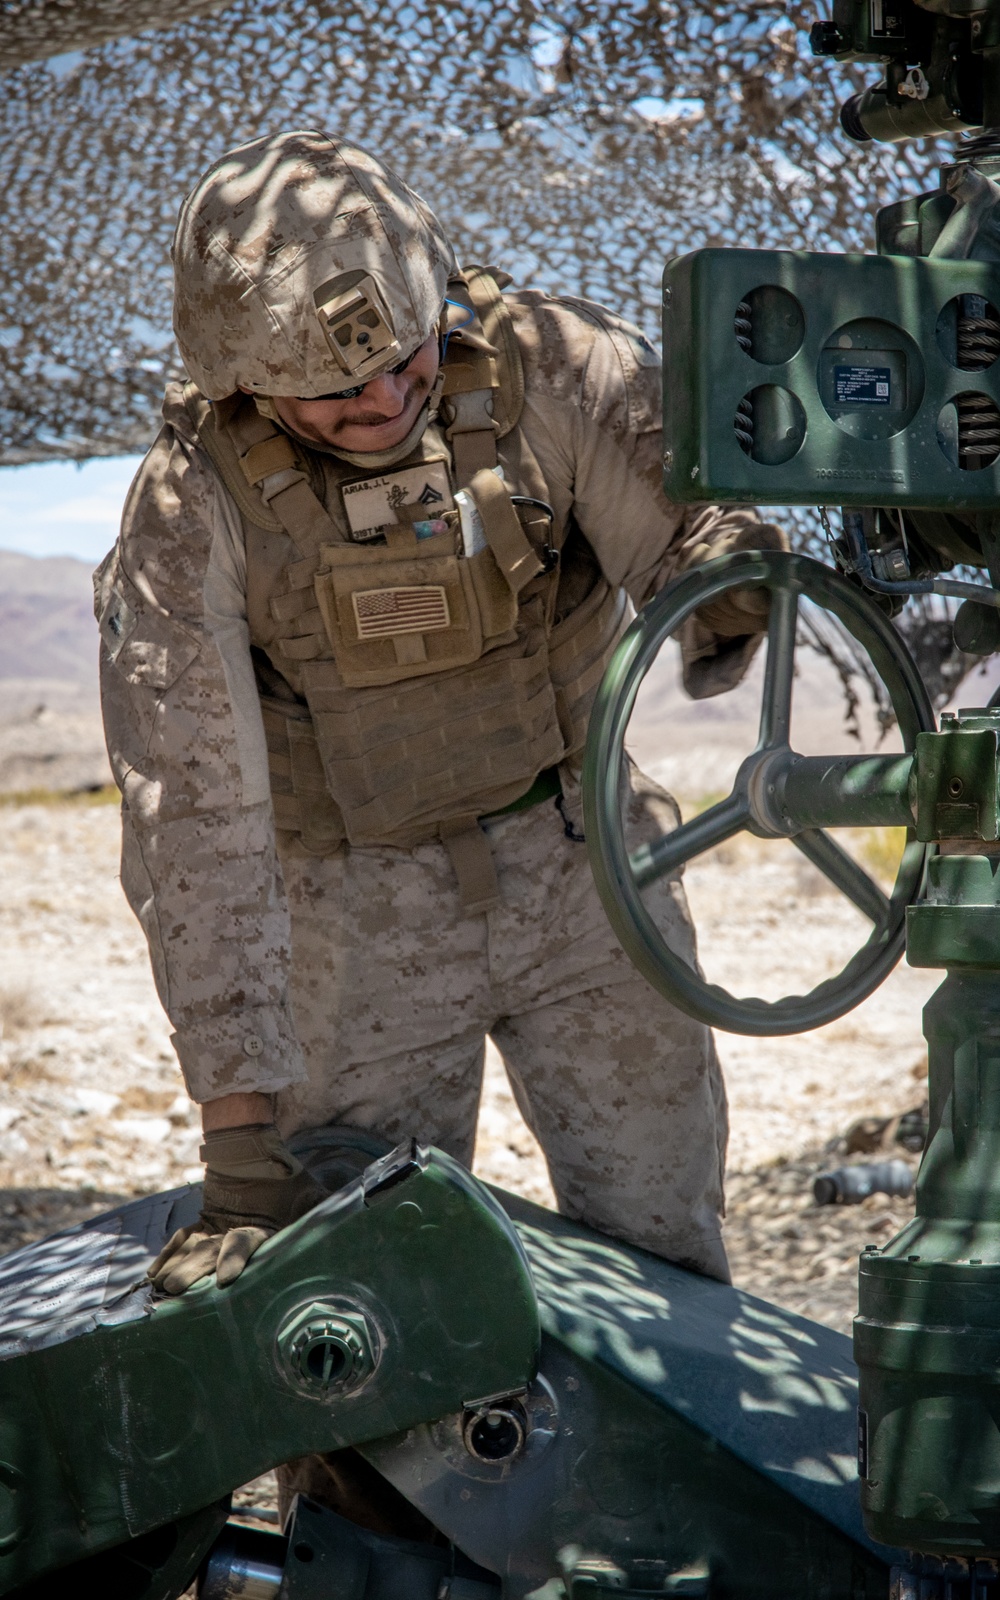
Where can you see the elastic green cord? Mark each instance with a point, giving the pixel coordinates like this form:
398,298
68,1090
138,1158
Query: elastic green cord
547,786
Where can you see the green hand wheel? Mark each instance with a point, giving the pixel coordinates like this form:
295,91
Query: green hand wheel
777,793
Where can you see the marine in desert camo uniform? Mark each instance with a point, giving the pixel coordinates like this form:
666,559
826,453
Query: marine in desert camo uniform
347,668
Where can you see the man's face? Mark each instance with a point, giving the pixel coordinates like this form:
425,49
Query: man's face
378,418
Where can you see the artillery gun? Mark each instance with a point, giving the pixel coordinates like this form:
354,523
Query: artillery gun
574,1419
870,383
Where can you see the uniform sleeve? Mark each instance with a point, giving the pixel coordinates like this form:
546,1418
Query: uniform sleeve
186,742
594,403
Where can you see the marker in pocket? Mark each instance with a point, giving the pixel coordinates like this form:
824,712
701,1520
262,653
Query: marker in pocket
473,531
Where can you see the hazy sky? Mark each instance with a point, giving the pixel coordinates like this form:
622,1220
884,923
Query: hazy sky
60,509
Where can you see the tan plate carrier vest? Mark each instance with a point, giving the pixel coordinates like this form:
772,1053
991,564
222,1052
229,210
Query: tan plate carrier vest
385,737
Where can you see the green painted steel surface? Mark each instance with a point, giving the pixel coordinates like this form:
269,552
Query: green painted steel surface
128,1427
681,1437
927,1338
928,1334
957,781
838,380
827,334
157,1565
847,791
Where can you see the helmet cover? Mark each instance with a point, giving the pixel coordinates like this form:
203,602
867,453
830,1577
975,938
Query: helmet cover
303,266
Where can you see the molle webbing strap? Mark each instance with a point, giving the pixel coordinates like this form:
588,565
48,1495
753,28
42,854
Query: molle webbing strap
470,363
269,462
302,800
469,391
494,315
483,377
303,516
471,435
514,554
271,455
211,423
472,859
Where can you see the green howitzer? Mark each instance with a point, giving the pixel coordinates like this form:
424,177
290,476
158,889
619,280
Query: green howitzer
871,383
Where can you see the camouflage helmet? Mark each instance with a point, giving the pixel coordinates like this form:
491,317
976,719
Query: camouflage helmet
303,266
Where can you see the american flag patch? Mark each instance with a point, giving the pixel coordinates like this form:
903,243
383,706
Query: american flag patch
418,608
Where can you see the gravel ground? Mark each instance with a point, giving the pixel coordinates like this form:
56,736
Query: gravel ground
51,737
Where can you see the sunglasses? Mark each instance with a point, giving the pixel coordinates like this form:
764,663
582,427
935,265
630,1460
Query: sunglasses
359,388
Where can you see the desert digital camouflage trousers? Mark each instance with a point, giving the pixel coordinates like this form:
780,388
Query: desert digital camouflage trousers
394,991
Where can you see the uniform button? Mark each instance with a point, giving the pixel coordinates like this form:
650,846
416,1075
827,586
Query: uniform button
253,1044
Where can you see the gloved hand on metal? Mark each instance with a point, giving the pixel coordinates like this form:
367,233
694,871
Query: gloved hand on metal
254,1186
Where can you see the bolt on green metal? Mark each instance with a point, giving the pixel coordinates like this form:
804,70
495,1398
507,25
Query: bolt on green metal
324,1348
957,793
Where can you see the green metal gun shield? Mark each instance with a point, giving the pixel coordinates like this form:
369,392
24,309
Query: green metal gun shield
792,378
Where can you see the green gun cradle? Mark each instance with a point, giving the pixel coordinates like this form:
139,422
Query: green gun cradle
120,1414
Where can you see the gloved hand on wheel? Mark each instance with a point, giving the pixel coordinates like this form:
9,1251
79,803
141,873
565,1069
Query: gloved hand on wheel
739,612
720,639
254,1186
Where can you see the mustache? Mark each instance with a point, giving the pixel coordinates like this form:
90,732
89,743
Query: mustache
362,418
370,419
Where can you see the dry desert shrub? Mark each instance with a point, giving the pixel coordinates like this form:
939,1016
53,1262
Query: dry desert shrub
90,794
880,850
20,1009
150,1102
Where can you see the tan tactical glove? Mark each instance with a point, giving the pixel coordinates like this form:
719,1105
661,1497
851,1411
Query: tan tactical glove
739,611
720,640
254,1186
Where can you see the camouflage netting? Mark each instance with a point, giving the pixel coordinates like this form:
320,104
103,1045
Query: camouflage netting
577,144
31,30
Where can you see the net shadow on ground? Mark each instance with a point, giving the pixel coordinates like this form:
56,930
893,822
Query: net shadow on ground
28,1214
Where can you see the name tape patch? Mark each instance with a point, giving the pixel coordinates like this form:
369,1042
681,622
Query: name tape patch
372,503
416,608
868,386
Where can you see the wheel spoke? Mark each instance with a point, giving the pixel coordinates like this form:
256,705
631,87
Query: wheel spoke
844,873
776,706
652,861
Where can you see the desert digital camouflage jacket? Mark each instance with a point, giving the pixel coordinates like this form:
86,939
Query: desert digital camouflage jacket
181,703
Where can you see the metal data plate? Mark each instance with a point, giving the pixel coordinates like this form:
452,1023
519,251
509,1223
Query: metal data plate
792,378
